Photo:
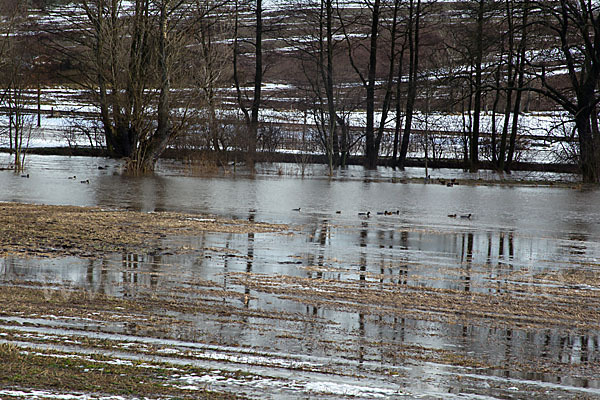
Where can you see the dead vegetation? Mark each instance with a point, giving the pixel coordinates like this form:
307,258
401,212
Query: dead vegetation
56,231
564,301
537,307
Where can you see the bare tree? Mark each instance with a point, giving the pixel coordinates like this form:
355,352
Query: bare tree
379,13
210,26
576,24
251,112
16,66
520,81
474,147
413,31
127,53
322,57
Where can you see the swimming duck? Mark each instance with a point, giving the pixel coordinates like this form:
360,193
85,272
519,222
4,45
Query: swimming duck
365,214
296,209
452,215
468,216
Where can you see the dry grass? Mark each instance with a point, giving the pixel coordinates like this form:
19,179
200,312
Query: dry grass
52,231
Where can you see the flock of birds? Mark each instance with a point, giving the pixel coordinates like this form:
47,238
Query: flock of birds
367,214
74,177
428,179
86,181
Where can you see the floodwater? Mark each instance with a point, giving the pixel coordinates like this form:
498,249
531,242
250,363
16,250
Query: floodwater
298,327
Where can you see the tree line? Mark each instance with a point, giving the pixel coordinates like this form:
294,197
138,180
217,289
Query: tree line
159,68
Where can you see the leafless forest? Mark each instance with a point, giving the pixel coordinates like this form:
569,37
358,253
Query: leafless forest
344,79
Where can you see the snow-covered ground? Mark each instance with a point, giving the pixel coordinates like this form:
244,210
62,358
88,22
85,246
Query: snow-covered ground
67,120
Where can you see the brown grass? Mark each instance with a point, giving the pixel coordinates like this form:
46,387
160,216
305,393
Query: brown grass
51,231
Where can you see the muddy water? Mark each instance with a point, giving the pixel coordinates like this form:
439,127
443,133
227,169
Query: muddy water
521,241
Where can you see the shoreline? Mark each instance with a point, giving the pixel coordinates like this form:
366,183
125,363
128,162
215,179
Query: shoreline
237,156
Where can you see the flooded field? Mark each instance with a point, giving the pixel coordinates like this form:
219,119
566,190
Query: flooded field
473,290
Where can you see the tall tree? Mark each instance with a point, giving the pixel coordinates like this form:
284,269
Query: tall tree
316,57
576,24
378,17
251,114
510,34
210,25
520,80
129,54
478,88
414,28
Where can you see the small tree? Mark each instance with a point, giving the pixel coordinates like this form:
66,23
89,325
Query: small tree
16,67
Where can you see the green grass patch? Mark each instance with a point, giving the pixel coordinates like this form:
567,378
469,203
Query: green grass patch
60,372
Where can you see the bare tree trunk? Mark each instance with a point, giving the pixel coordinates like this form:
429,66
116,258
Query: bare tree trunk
510,84
326,70
159,140
387,99
258,76
520,84
494,126
371,149
413,67
474,148
329,82
398,122
252,115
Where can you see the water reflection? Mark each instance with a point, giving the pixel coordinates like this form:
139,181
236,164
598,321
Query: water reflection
516,244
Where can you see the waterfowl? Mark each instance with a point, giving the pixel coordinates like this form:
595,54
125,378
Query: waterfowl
25,176
365,214
452,215
338,212
86,181
468,216
296,209
73,177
